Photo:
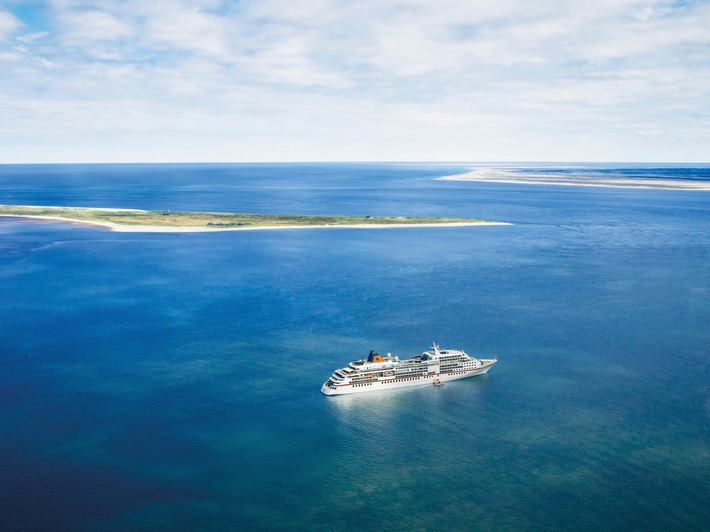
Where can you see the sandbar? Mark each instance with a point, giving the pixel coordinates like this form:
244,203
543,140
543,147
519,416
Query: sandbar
490,175
200,222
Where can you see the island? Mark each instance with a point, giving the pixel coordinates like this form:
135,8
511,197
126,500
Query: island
135,220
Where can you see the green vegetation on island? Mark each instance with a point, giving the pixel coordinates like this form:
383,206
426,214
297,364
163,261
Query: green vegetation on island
217,220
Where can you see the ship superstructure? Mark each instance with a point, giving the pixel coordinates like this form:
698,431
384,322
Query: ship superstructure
379,372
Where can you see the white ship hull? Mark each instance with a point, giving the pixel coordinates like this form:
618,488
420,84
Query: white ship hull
387,372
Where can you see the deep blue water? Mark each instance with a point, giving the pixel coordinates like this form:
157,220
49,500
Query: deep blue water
171,381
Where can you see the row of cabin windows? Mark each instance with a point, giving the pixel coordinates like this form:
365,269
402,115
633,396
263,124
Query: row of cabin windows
407,379
414,376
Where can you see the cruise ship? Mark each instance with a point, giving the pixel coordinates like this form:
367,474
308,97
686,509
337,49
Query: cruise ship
378,372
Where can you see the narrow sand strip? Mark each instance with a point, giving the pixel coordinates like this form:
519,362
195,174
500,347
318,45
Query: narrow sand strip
501,176
121,228
107,209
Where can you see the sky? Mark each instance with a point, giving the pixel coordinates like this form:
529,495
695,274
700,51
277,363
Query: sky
349,80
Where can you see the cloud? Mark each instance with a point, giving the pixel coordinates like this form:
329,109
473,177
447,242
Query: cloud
335,43
373,72
142,28
85,28
29,38
9,25
185,28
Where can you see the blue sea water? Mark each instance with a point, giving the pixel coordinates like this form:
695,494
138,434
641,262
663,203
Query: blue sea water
171,381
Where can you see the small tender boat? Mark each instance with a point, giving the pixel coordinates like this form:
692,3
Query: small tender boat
438,382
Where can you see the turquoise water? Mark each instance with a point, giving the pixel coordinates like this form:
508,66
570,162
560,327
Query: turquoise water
171,381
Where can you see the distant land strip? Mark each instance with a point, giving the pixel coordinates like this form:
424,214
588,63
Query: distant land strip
135,220
503,176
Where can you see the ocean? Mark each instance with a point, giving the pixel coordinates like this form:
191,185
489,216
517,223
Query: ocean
171,381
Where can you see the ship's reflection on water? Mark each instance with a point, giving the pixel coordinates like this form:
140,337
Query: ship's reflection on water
371,425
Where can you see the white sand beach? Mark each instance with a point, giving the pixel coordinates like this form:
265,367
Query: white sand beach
490,175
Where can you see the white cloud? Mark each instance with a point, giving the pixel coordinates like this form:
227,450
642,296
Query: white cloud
85,28
185,28
390,74
30,38
137,26
11,56
9,25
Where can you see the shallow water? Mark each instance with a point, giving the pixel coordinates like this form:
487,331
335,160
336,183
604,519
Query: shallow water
171,381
